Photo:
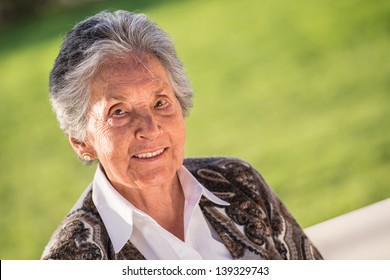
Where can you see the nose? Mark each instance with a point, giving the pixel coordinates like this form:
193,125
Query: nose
147,126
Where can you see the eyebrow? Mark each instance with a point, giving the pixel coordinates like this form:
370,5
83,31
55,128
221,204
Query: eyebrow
155,92
117,97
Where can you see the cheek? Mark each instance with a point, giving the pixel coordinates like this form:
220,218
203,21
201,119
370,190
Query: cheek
100,138
183,134
179,136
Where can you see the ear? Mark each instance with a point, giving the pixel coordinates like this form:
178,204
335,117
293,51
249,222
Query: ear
82,147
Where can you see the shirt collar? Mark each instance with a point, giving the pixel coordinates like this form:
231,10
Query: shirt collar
193,190
117,213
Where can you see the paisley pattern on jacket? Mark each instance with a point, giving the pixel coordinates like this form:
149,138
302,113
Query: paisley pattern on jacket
256,225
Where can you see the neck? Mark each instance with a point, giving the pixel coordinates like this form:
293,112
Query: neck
164,203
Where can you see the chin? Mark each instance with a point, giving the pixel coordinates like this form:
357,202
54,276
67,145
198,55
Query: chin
156,177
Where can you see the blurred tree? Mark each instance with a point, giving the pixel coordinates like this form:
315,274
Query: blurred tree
15,10
12,11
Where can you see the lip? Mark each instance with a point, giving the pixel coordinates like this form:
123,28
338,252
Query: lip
150,154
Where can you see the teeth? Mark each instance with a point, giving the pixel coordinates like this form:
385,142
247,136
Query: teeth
149,155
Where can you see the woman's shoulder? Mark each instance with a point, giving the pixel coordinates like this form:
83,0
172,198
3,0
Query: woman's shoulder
254,207
222,162
81,235
226,166
227,173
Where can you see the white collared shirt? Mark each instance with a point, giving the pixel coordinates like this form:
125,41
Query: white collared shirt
125,222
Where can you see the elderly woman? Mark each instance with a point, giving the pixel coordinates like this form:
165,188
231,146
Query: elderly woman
121,96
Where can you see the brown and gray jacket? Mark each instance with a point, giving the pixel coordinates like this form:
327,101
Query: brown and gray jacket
256,225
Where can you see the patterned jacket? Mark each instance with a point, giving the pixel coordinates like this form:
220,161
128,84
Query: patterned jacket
256,225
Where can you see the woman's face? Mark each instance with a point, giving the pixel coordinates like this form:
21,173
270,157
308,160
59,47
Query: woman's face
136,127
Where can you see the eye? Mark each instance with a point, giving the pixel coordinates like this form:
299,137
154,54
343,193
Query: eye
119,112
160,103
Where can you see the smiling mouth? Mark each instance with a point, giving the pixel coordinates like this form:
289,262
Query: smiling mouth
150,155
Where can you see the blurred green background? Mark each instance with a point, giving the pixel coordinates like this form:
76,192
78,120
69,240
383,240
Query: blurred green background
300,89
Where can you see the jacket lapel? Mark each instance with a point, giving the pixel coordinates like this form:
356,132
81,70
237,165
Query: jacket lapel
235,235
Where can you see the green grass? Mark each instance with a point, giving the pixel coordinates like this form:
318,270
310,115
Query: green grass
299,89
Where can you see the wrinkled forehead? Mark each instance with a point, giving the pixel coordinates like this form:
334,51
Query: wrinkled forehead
135,68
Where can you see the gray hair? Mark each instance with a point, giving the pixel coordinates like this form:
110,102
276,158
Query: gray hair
95,39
